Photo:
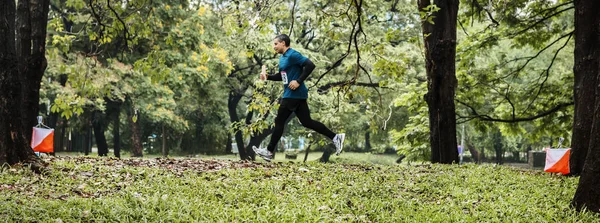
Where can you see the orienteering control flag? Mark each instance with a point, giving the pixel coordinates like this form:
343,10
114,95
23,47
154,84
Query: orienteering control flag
557,161
42,140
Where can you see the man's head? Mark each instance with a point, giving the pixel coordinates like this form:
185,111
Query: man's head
281,43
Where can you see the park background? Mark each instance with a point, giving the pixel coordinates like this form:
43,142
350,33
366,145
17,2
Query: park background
179,79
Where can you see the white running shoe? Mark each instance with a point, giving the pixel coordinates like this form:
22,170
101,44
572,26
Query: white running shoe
338,141
263,153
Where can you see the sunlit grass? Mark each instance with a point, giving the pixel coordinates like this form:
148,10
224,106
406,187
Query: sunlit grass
345,157
195,190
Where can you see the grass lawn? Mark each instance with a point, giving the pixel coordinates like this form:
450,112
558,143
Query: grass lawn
84,189
347,157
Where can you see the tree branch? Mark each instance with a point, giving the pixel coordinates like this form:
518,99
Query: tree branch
339,61
125,30
491,17
293,18
547,71
540,21
529,59
488,118
462,27
322,89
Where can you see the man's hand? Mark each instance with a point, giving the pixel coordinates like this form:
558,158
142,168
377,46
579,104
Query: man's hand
263,73
294,85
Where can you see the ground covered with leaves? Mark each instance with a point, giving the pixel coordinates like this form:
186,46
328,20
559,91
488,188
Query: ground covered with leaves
80,189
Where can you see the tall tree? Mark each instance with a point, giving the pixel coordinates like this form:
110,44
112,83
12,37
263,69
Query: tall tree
439,32
587,60
22,65
32,20
587,39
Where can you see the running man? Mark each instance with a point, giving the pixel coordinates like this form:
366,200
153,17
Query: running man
293,70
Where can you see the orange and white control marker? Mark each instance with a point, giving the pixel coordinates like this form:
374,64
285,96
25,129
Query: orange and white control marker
42,139
557,161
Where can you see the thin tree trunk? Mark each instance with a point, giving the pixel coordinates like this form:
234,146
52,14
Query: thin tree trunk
474,153
164,142
60,140
179,141
482,156
54,121
232,103
98,124
113,113
496,136
136,141
499,156
88,136
440,53
117,132
368,141
587,38
59,136
306,152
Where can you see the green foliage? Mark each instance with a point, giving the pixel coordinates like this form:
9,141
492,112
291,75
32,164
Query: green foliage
177,62
192,190
68,106
157,56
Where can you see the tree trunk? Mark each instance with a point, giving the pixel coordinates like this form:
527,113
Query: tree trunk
499,156
178,143
496,136
55,121
88,136
23,49
474,153
32,57
164,142
482,156
232,102
13,144
60,124
21,67
306,153
587,37
585,69
113,113
117,133
59,136
136,141
99,127
516,157
368,141
440,52
69,146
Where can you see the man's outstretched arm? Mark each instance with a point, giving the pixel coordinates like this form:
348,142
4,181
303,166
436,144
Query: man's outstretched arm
274,77
265,76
